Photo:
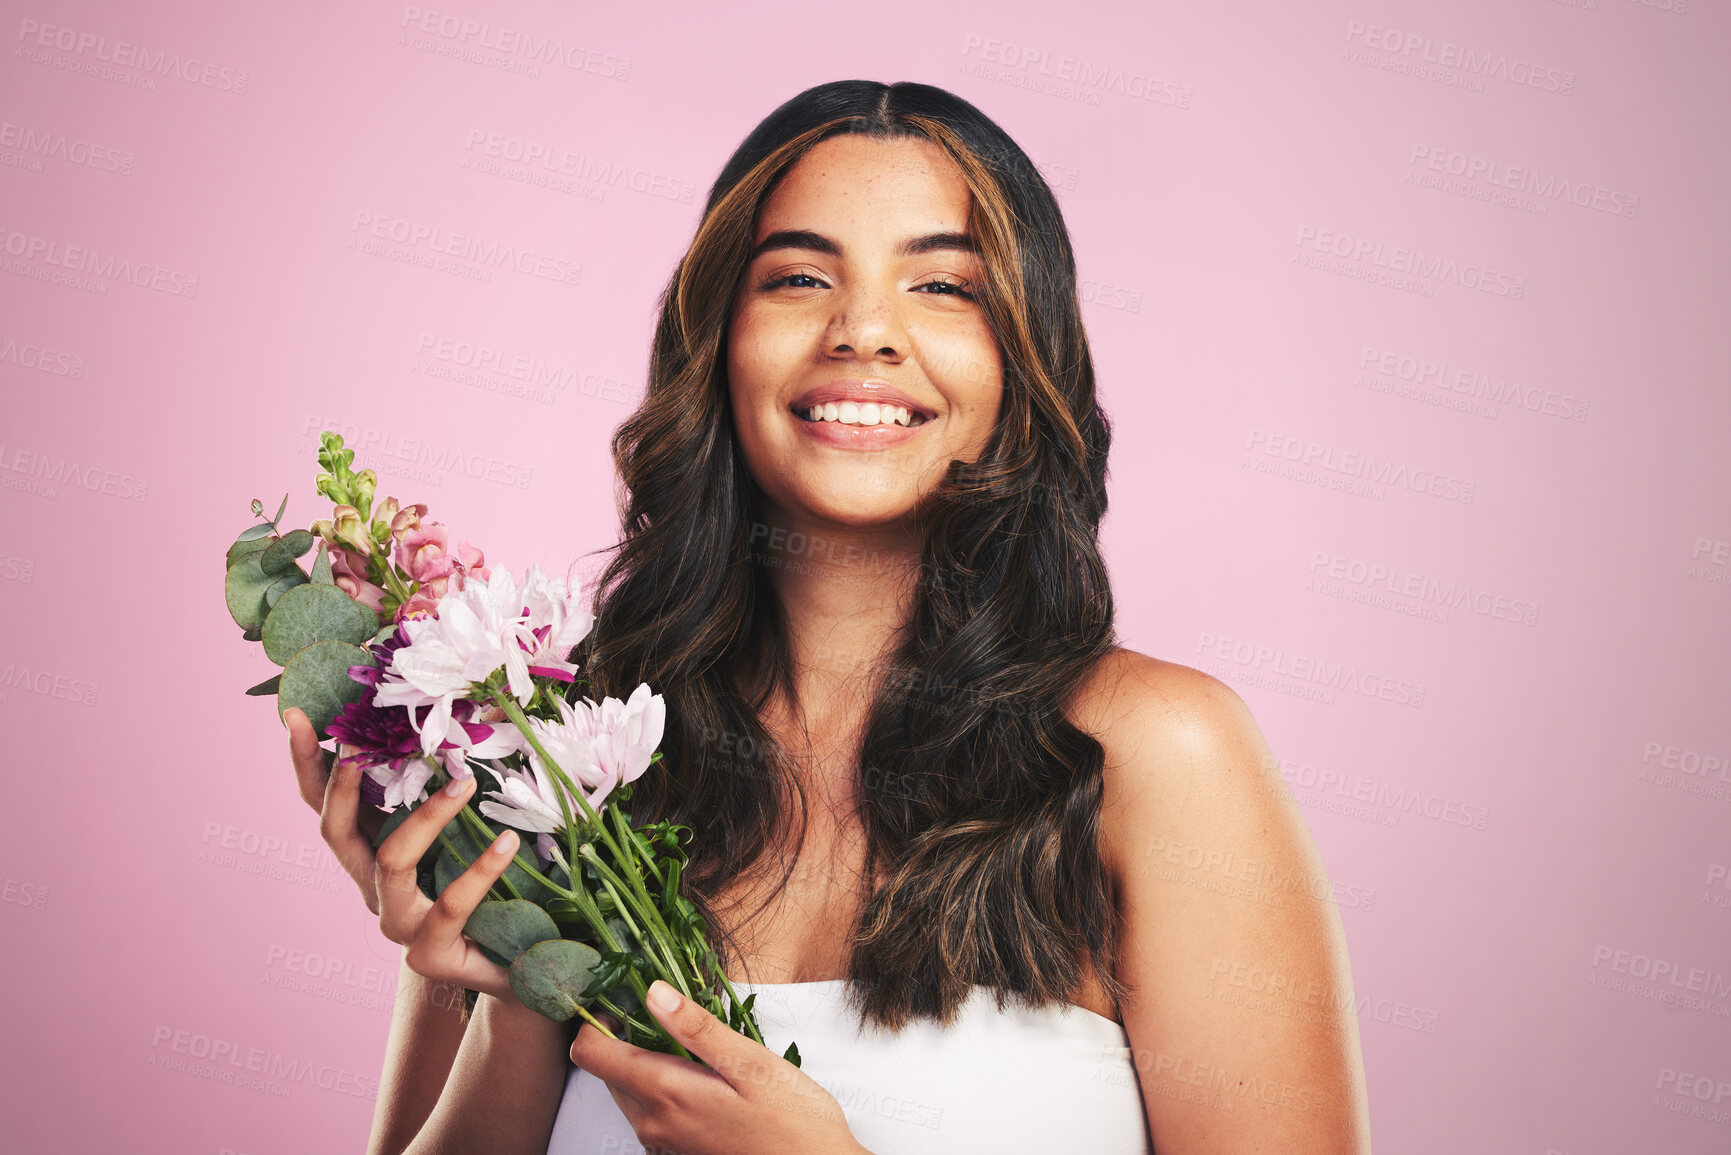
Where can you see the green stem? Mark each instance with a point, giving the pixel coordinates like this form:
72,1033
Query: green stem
613,1008
596,1023
750,1019
660,951
624,833
568,790
393,583
477,825
513,711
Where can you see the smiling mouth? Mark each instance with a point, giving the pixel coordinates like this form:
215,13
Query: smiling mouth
861,413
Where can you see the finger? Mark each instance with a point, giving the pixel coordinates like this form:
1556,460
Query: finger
401,903
745,1064
341,832
643,1074
311,768
440,943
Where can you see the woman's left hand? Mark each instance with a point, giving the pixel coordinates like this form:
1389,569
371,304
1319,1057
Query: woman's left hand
748,1099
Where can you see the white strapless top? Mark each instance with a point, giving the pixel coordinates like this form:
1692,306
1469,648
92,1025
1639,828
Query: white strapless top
1000,1082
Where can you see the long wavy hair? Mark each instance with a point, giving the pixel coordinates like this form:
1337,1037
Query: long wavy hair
979,798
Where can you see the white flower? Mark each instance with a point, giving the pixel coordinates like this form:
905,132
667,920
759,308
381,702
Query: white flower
403,783
476,630
552,623
598,748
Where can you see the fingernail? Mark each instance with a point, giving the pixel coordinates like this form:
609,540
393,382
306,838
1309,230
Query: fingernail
456,786
663,997
502,844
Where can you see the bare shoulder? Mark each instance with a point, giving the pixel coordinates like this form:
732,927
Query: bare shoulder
1173,734
1240,1010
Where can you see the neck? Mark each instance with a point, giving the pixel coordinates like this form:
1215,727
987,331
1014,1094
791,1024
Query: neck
846,592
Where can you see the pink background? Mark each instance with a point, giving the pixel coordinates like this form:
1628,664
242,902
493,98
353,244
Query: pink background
1236,182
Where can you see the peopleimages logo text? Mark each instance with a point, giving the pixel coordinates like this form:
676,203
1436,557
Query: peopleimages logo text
122,54
1414,262
79,259
1472,61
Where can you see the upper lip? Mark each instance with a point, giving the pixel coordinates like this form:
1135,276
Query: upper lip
860,390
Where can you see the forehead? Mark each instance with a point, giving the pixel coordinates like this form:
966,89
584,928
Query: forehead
870,186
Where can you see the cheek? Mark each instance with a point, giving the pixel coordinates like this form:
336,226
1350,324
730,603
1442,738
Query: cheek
966,364
762,342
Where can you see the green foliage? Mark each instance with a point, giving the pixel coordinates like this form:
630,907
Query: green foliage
504,930
279,558
244,589
552,977
314,613
316,680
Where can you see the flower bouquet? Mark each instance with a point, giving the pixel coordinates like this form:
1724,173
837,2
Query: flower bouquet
427,665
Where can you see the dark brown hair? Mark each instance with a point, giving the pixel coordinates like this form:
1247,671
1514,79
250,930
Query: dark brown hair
980,799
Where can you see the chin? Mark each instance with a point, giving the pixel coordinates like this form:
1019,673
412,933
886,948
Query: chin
857,500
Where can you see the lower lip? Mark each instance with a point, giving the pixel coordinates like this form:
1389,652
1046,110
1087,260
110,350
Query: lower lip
858,436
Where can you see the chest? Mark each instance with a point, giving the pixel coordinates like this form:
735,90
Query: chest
799,931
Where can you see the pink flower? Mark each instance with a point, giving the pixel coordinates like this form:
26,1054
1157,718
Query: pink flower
421,553
349,572
424,553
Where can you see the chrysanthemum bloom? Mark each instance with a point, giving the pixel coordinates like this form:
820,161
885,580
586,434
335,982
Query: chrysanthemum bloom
598,748
478,629
387,740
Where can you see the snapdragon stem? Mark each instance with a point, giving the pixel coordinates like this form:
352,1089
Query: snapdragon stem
393,584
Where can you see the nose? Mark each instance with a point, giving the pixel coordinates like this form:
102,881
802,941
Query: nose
866,326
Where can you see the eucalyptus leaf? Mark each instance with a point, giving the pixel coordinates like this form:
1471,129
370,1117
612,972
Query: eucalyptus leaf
311,613
268,686
244,589
255,634
506,929
241,548
316,680
279,559
254,532
551,977
277,520
322,566
278,588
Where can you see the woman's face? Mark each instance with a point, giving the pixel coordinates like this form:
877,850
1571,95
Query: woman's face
859,362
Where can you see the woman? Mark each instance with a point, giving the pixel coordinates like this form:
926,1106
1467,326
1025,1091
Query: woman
935,804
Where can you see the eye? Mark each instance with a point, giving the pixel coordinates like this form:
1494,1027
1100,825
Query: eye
948,289
784,279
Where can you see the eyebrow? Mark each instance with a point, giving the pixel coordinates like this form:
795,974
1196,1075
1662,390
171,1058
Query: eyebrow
818,243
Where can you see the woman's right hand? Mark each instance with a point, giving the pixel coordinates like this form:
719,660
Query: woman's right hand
430,931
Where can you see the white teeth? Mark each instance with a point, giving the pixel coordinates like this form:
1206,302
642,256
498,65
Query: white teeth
862,413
